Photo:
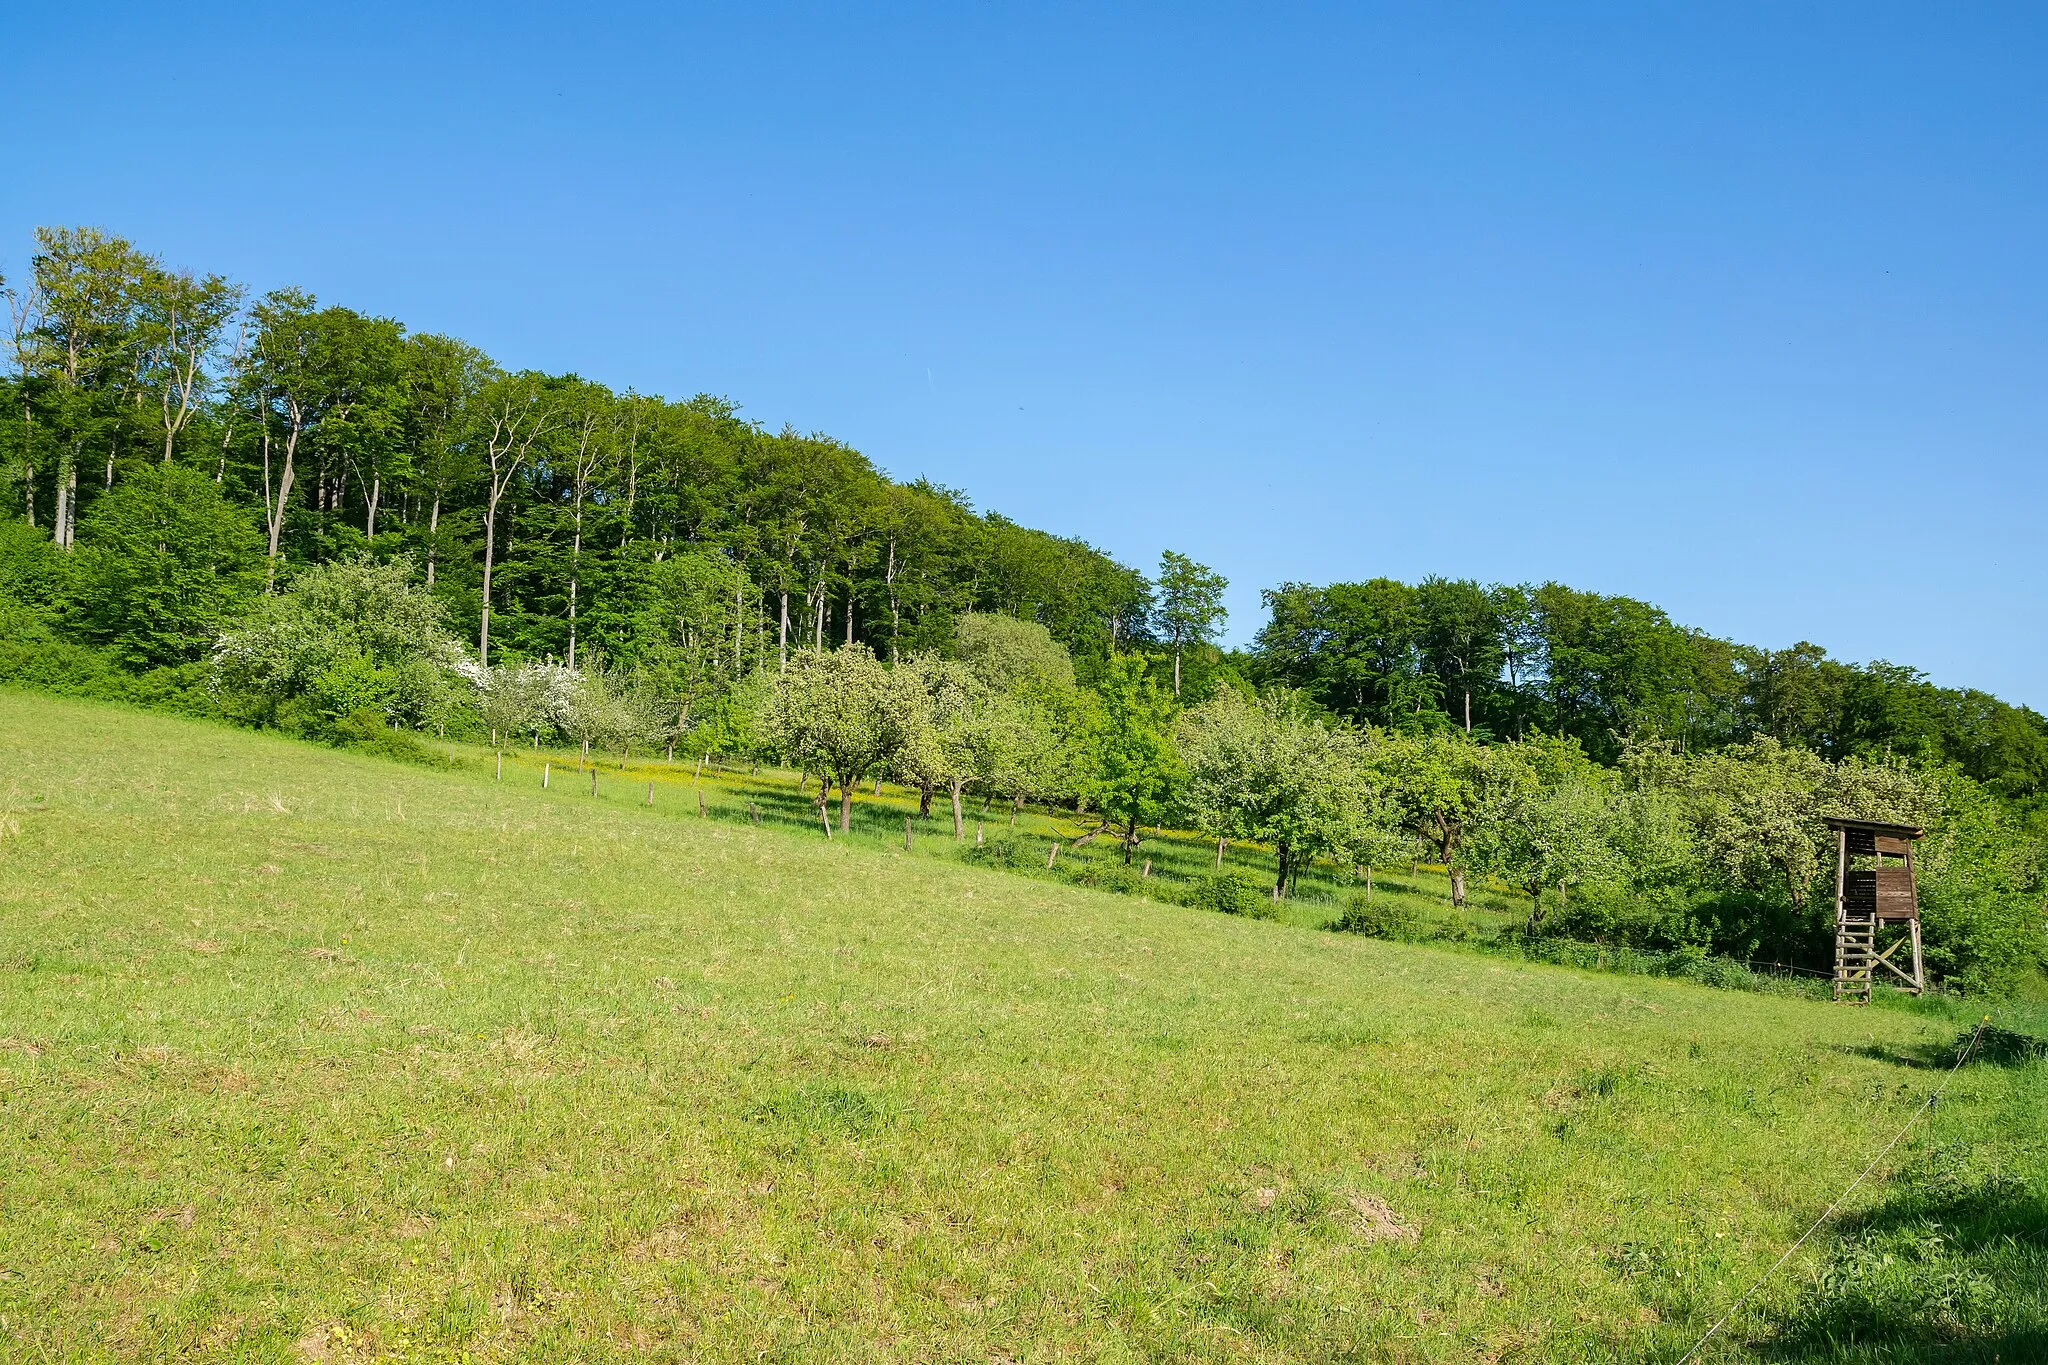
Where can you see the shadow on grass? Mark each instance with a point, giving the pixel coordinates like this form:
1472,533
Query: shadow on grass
1953,1267
1996,1047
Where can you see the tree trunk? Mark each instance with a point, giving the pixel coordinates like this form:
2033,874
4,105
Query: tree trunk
575,566
433,529
1458,887
1016,809
1176,669
924,799
67,480
782,635
1221,844
957,825
895,609
846,785
376,492
483,630
1282,856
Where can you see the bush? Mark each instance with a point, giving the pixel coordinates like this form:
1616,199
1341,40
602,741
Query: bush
1233,891
1008,852
1106,877
1382,918
365,732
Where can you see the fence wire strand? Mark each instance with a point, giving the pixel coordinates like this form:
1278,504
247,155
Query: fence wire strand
1961,1056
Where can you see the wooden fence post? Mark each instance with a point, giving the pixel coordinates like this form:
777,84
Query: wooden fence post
826,820
650,793
906,834
1148,870
753,812
700,803
546,769
501,765
593,779
1052,855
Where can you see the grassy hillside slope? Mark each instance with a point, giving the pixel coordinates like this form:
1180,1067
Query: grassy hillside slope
308,1056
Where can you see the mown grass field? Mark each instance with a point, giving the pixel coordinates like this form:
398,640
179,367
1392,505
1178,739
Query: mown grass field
309,1056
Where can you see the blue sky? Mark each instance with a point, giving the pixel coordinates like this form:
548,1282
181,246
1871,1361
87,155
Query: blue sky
1720,306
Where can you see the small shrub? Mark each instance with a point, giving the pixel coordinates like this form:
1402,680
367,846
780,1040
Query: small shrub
1115,877
1008,852
1382,918
365,732
1233,891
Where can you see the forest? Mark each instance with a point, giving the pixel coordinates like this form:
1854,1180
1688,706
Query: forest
289,514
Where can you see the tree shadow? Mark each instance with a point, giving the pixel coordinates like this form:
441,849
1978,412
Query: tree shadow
1994,1047
1953,1267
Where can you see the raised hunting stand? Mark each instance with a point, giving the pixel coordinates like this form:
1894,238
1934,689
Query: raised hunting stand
1870,900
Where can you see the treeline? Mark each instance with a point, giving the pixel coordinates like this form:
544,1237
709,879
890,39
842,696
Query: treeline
1510,662
537,506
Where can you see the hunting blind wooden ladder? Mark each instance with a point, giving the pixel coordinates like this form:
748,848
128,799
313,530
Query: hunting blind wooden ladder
1873,902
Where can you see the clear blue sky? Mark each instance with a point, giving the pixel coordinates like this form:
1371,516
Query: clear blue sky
1660,300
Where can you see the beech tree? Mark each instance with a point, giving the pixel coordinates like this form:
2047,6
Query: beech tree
1188,608
513,415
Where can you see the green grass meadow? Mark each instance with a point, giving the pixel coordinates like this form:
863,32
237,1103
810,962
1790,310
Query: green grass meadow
312,1056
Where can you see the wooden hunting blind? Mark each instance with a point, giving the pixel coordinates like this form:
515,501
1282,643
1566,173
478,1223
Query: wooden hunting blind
1873,903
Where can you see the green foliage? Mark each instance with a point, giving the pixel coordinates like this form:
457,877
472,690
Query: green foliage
842,714
1229,891
1442,788
1188,606
356,635
1381,917
1270,771
1134,766
165,561
32,570
1013,656
366,731
1513,661
1555,829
